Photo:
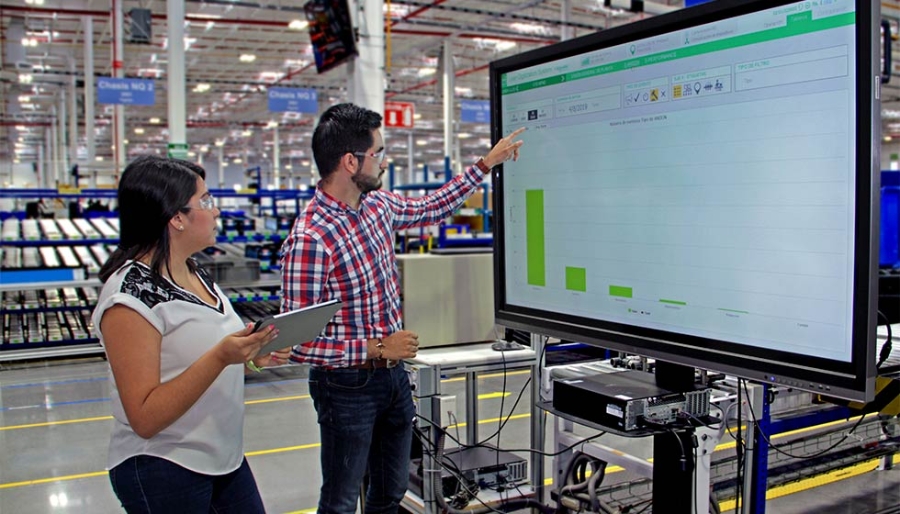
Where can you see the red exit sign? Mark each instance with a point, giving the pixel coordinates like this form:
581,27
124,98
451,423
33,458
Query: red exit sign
399,114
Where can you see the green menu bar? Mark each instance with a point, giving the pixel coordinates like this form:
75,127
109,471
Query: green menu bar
534,236
620,291
576,279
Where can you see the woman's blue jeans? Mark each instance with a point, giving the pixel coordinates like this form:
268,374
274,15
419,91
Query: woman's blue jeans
151,485
365,424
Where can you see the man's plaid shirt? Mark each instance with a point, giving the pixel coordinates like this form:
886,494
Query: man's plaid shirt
334,252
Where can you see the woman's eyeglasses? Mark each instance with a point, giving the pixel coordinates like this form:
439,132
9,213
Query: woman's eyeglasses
206,203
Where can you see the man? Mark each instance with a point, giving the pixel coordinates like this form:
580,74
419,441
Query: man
341,247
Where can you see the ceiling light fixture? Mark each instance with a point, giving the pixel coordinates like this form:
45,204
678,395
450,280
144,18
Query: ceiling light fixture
247,58
298,24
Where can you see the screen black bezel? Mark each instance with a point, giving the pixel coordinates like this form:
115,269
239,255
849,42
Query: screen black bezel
853,380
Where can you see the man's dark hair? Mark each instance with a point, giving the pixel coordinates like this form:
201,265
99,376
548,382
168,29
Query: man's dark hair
151,191
342,128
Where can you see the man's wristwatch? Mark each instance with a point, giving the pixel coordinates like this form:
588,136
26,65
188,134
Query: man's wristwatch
481,165
380,346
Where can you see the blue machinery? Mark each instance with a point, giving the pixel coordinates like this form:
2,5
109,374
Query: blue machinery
445,241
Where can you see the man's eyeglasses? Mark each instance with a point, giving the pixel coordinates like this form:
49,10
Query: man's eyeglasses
378,156
206,203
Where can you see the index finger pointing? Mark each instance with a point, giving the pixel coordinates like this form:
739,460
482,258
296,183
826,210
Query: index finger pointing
516,133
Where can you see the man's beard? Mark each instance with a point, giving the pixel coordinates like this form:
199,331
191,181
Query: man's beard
366,183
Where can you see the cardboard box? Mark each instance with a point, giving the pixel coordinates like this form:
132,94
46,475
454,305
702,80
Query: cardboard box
476,201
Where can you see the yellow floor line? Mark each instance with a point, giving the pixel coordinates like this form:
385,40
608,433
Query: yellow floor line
488,375
732,444
486,396
249,454
279,399
282,450
53,479
816,481
491,396
54,423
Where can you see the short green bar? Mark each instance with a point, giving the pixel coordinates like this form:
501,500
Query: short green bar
673,302
576,279
534,237
734,310
620,291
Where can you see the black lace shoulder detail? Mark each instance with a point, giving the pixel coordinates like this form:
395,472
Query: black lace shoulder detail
140,283
204,275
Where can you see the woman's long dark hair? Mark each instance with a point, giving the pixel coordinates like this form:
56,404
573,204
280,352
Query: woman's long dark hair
151,191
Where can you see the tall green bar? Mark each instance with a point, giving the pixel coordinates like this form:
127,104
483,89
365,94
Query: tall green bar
534,237
576,279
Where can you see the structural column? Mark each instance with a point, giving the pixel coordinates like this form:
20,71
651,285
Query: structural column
88,30
449,92
73,114
565,14
118,65
176,81
366,72
63,167
276,158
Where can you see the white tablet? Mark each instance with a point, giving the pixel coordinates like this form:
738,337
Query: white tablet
298,326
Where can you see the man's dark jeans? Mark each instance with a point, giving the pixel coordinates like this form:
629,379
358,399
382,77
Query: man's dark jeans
365,423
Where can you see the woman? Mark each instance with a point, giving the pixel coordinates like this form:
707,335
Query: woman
177,352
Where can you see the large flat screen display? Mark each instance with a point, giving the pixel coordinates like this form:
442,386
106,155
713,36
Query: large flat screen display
700,187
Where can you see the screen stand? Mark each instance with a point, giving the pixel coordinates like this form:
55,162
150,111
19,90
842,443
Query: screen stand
673,450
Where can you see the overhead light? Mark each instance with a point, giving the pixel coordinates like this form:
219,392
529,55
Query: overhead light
298,24
237,161
425,72
288,167
505,45
154,120
201,88
204,148
529,28
271,124
887,139
16,161
29,41
417,116
192,154
138,130
99,158
464,135
125,141
421,142
220,143
270,76
25,78
247,58
247,133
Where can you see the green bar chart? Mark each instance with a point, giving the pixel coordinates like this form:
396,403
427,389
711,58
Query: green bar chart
620,291
576,279
534,237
